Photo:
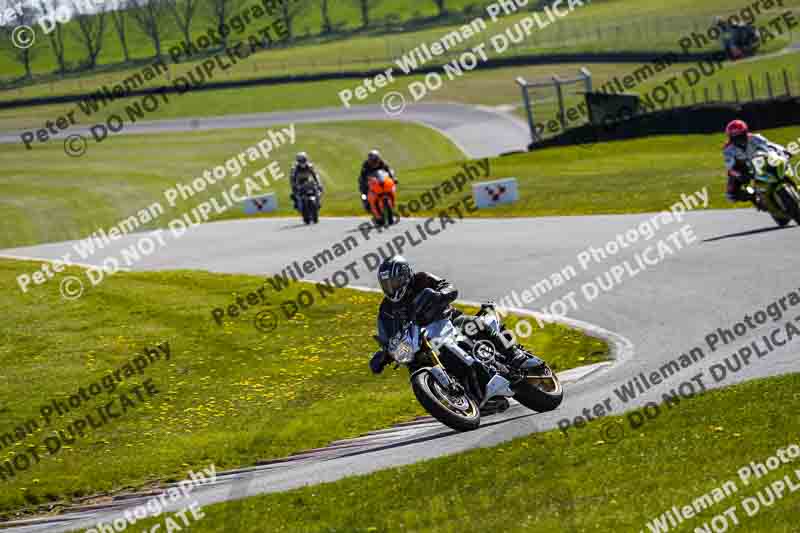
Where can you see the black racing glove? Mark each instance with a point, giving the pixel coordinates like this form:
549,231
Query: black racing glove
378,362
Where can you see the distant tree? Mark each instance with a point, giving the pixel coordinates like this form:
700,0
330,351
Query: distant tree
440,5
327,25
56,35
91,27
183,12
23,56
119,18
289,13
147,14
365,6
221,10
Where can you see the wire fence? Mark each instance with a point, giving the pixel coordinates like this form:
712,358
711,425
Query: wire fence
766,86
653,34
555,105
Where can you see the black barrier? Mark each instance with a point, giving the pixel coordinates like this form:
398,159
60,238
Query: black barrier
695,119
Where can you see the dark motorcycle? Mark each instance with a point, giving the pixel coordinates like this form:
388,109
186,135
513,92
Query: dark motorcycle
309,203
455,378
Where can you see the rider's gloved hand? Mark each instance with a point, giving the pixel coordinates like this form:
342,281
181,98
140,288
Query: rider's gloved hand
378,362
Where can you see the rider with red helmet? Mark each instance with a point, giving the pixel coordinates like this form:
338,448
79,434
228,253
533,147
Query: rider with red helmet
739,152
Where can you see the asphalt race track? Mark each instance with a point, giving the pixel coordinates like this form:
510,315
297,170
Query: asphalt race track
478,132
655,316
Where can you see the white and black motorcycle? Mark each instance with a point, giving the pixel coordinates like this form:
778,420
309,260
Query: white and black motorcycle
455,378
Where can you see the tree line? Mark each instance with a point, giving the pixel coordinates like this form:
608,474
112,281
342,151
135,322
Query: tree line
150,18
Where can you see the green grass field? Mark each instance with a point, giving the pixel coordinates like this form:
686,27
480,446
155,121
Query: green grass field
617,177
114,179
549,482
228,395
647,25
480,87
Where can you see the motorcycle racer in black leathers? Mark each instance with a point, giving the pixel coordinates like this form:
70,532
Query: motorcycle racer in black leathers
426,298
303,172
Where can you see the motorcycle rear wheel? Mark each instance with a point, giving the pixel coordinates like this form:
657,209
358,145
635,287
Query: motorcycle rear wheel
541,392
460,413
782,222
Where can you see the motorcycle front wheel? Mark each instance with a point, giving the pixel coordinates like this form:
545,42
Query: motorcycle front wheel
788,198
388,214
539,390
459,412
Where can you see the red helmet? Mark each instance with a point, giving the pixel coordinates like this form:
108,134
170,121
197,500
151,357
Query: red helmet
736,128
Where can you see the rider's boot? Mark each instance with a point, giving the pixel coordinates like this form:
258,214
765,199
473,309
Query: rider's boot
519,359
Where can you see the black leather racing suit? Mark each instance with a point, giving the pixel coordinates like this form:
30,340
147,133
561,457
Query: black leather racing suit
392,316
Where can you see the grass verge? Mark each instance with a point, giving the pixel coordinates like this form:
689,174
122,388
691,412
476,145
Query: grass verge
549,482
45,201
49,197
228,395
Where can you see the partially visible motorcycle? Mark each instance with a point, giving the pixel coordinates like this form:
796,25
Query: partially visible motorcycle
775,186
381,198
309,202
455,378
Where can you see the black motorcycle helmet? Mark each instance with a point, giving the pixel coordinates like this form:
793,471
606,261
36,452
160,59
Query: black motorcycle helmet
395,276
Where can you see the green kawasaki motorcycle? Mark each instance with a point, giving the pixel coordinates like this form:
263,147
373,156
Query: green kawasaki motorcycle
775,187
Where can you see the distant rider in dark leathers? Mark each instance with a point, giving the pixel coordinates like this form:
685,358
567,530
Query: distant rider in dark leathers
371,166
303,171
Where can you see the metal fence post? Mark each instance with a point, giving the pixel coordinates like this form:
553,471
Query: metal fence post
706,93
587,77
769,85
752,87
735,90
720,93
561,113
529,111
786,83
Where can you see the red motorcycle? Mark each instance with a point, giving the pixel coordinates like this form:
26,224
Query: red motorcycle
381,198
